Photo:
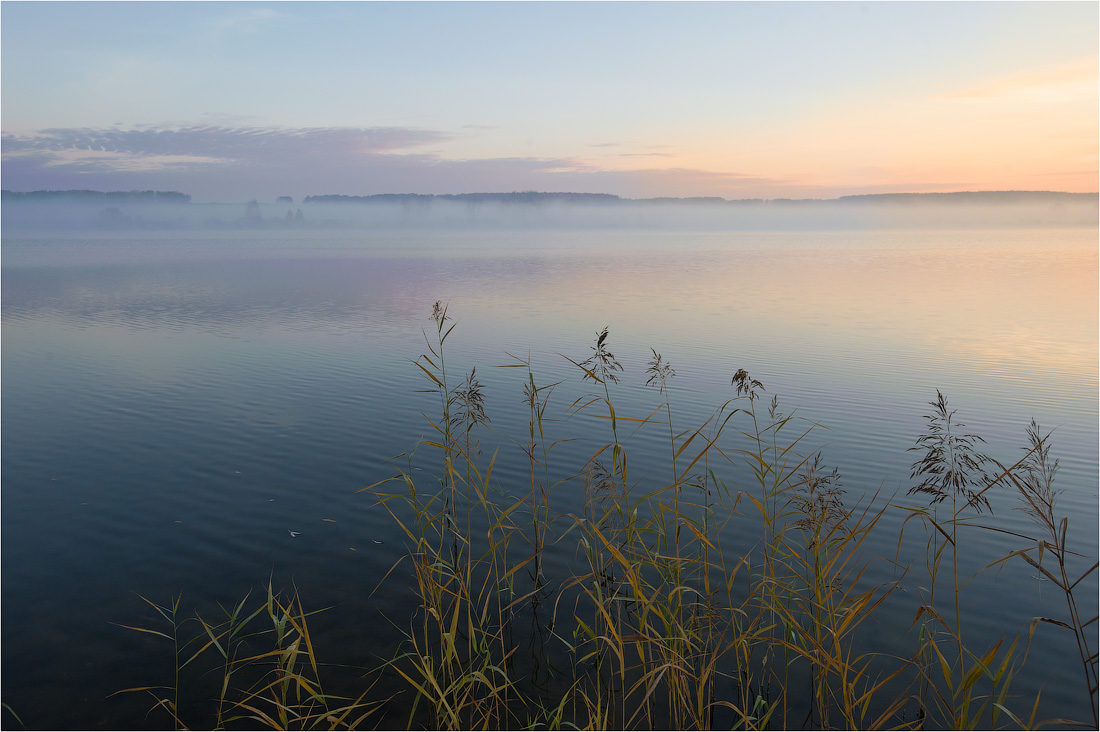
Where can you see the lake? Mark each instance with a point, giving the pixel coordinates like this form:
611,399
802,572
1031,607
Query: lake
197,414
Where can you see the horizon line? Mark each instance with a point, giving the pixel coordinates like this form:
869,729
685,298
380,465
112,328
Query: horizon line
715,199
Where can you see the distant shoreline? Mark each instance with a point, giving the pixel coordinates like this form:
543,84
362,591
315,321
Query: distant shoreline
139,211
535,197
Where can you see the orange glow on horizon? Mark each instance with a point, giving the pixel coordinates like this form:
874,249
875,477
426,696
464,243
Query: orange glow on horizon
1037,130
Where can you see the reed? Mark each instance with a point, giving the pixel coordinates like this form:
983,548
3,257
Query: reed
952,472
458,649
537,450
658,625
1033,479
278,687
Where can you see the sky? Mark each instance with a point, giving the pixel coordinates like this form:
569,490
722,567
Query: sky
233,101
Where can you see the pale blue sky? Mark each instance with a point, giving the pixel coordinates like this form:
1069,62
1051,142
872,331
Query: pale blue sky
638,99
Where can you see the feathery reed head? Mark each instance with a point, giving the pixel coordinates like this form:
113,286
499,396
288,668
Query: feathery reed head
1038,471
746,385
602,363
470,402
659,371
952,466
819,497
439,312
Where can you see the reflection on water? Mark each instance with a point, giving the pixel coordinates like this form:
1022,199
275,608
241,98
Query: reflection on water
174,409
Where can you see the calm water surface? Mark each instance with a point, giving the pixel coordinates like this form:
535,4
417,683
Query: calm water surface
174,408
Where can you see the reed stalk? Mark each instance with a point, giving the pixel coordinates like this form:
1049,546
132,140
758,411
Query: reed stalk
537,449
1033,477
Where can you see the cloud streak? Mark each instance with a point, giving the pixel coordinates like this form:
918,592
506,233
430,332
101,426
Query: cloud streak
249,21
232,163
1069,82
253,145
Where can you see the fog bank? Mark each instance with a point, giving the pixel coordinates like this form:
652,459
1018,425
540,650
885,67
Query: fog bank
56,213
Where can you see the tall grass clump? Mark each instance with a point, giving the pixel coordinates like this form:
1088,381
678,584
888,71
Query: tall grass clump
268,675
661,628
459,646
970,688
656,623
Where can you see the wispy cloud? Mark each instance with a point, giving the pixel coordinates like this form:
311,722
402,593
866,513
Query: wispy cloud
216,144
247,21
1061,83
221,162
214,162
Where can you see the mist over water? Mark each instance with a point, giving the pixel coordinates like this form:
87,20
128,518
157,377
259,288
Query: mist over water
549,212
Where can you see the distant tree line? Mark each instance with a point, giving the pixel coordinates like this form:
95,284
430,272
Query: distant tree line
960,198
97,196
535,197
972,197
514,197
